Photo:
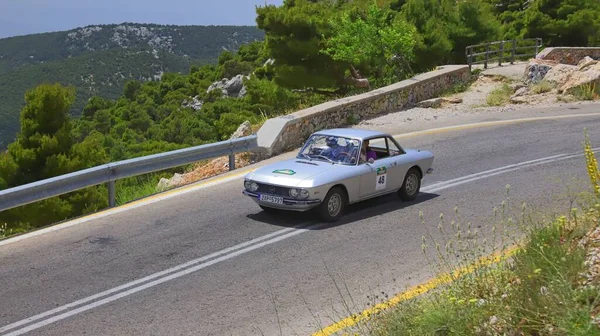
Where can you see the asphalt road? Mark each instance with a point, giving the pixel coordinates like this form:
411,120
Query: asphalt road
291,283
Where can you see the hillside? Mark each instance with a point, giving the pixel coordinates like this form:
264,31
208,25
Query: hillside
97,60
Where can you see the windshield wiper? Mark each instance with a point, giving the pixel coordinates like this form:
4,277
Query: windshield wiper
326,158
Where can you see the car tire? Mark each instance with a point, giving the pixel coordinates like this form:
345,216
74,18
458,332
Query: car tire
333,205
411,185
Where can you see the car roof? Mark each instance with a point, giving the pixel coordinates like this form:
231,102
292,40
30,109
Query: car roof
356,133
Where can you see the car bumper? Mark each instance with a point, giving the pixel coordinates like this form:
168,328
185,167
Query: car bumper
287,203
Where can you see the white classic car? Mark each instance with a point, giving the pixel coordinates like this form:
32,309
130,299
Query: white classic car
338,167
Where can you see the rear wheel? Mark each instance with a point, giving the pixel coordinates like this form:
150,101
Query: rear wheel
334,205
411,185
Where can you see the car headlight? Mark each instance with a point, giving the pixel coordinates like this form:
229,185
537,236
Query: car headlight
250,185
303,193
299,193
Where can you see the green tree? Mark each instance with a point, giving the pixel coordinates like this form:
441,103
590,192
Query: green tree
44,149
369,39
563,23
295,34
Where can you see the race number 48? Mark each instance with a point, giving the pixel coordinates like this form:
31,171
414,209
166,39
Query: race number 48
381,178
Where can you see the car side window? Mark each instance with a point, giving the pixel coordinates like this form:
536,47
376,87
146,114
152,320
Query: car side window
393,149
379,146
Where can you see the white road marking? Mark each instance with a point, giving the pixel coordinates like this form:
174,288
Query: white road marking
145,279
237,250
506,169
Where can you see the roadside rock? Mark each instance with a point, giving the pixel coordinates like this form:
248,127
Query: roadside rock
537,69
560,73
521,92
589,75
165,183
518,100
434,102
452,100
242,131
586,62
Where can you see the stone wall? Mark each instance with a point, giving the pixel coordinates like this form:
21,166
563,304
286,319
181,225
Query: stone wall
285,133
568,55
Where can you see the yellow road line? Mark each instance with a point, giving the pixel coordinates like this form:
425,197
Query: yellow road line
414,291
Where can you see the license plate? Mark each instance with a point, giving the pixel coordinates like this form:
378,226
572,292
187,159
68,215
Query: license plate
271,199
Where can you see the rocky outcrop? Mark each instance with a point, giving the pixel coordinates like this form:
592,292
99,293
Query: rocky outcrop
569,55
586,75
195,104
537,69
560,73
233,87
566,78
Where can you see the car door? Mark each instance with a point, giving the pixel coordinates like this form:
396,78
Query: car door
399,164
375,180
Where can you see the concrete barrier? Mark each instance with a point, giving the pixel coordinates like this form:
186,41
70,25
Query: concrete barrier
285,133
568,55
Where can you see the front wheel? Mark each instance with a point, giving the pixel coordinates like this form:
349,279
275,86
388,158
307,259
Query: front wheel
411,185
333,206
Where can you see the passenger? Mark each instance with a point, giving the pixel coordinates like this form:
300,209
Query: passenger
367,153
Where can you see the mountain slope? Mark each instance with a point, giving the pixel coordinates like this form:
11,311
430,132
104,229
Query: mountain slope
98,60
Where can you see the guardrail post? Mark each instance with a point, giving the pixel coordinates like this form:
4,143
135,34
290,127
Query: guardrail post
513,52
111,194
469,52
487,55
501,53
231,161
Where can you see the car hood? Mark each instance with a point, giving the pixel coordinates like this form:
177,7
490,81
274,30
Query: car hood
291,172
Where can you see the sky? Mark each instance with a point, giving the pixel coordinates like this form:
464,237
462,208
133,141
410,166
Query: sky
22,17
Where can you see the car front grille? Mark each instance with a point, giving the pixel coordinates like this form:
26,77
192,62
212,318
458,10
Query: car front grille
273,190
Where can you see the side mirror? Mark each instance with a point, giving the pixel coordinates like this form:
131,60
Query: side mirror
371,160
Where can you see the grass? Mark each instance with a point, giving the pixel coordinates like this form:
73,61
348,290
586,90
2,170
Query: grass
542,87
499,96
534,293
540,290
587,91
145,186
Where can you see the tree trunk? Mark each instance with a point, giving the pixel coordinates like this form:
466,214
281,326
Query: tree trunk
356,80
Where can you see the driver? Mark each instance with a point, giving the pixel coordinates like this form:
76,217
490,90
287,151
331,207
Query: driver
333,149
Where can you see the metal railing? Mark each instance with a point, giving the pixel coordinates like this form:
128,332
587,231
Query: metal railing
505,50
110,172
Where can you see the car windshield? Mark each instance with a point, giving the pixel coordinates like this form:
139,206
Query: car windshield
332,149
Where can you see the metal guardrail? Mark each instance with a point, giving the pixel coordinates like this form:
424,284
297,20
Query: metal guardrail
110,172
503,47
